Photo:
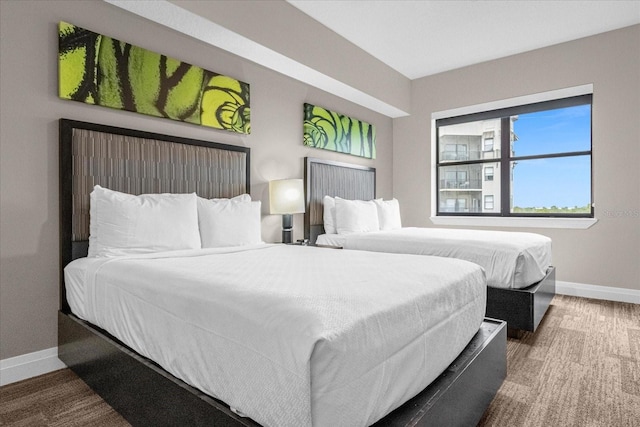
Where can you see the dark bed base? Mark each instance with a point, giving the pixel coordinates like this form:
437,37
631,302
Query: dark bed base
462,393
522,309
144,394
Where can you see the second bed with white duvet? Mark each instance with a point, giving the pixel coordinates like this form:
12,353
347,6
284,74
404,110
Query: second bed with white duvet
512,260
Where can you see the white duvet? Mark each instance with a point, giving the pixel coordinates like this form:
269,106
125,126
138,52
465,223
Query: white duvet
289,336
510,259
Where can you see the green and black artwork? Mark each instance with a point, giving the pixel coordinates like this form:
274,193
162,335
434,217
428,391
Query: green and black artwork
97,69
336,132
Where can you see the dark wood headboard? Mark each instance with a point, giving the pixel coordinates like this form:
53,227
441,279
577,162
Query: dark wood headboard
136,162
335,179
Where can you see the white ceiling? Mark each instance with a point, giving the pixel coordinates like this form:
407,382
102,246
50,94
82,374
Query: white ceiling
416,38
423,37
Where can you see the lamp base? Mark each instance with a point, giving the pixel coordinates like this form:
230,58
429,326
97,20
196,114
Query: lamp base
287,228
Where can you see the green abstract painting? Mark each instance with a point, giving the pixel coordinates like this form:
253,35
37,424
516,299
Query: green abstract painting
97,69
336,132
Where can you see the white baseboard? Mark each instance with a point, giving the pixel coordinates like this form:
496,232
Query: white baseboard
29,365
598,292
41,362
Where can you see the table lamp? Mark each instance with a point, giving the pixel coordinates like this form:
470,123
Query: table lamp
286,197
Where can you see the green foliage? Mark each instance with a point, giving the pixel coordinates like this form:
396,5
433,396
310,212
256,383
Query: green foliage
586,209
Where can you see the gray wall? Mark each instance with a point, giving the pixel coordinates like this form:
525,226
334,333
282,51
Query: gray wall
606,254
30,109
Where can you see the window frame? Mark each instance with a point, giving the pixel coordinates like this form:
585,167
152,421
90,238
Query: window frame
505,114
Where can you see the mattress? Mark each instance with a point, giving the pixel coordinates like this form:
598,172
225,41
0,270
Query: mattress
512,260
288,335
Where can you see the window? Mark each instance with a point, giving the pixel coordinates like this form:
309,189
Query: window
455,179
530,160
488,173
488,141
456,205
488,203
455,152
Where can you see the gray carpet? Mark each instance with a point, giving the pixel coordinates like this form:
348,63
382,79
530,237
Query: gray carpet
580,368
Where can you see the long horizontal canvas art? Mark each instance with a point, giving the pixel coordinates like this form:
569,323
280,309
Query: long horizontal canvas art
96,69
334,131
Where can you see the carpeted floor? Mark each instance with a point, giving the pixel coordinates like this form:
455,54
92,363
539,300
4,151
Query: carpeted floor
581,368
59,399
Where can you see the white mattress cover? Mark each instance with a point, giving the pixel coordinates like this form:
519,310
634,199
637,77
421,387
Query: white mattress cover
512,260
290,336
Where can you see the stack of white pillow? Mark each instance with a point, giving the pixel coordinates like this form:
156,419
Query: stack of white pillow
123,224
342,216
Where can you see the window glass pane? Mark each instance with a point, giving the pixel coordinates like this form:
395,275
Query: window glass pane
462,187
488,173
469,141
561,130
553,185
488,202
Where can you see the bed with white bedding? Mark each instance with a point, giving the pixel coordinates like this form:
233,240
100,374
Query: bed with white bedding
181,316
292,349
342,212
511,260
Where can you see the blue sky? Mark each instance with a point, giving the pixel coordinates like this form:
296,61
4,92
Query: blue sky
560,181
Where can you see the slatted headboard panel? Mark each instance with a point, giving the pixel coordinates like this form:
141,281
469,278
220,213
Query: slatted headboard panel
329,178
137,162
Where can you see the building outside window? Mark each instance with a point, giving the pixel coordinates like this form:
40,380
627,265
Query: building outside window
528,160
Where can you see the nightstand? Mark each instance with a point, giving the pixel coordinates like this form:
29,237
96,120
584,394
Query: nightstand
300,243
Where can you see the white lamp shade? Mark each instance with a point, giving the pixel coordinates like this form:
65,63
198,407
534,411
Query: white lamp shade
286,196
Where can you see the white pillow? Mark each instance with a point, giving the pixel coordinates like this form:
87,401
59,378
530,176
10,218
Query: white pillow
329,215
241,198
356,216
122,224
388,214
229,222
